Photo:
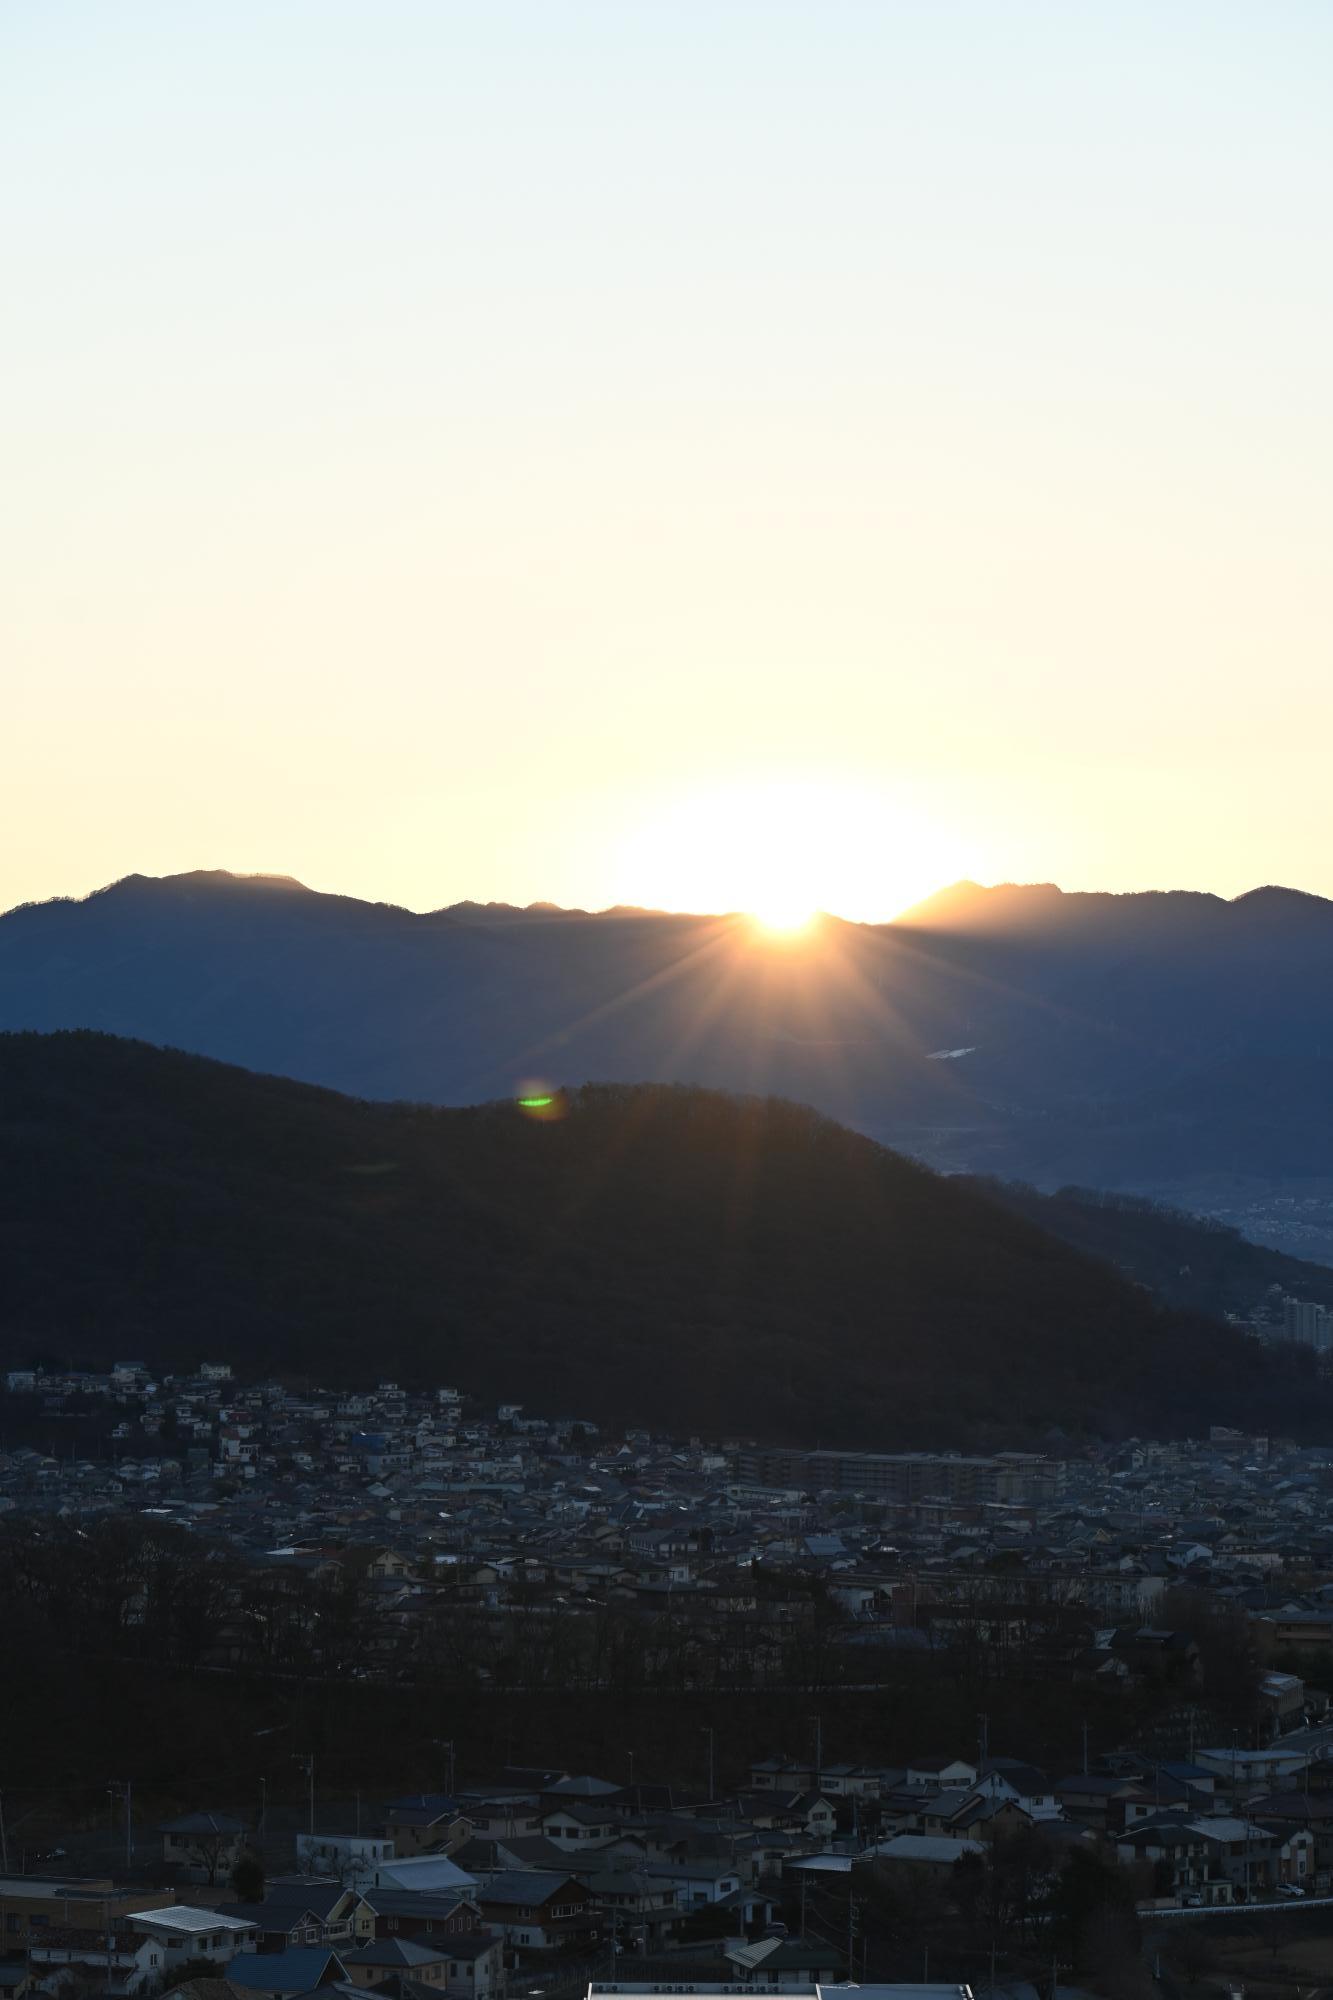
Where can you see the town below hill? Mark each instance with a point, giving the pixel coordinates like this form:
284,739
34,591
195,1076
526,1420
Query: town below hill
284,1597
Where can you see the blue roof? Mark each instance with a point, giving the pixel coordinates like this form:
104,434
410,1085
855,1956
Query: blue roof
281,1971
398,1951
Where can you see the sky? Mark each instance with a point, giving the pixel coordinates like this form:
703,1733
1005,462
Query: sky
714,453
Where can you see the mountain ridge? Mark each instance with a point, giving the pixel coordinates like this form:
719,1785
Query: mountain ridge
1149,1042
963,893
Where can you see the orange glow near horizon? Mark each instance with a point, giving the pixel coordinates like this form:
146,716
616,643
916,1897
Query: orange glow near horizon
781,849
783,918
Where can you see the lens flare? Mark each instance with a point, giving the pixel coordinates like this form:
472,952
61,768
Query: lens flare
540,1100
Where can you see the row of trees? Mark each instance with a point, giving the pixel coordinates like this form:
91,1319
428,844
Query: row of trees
136,1587
1024,1909
129,1629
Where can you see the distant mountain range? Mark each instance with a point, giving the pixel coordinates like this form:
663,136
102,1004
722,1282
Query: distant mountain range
661,1255
1172,1043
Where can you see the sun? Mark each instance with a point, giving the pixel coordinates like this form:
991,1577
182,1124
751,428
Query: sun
784,915
782,848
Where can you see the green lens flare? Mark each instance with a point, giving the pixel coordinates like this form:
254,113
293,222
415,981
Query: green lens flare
535,1103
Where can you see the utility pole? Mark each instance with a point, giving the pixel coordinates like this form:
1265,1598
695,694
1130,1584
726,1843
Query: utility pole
984,1736
1247,1857
818,1721
125,1791
1085,1749
805,1883
851,1938
263,1806
711,1734
308,1760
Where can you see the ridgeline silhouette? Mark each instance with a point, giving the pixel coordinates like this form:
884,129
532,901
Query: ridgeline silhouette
1144,1042
665,1255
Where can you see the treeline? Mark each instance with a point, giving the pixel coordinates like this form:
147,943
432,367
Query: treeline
130,1641
1025,1910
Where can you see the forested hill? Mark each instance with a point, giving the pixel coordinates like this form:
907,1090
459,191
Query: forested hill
668,1255
1189,1261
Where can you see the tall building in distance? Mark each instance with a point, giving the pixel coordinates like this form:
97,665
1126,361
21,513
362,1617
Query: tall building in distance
1307,1323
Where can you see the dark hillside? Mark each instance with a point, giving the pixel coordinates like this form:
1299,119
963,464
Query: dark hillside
658,1254
1188,1261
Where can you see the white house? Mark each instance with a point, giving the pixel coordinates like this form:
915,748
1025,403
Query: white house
128,1961
1254,1768
577,1827
185,1932
941,1773
347,1857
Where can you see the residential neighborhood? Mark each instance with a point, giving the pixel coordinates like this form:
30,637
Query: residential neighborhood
1105,1572
418,1493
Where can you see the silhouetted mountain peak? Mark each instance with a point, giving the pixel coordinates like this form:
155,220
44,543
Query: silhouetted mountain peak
1027,907
204,881
968,905
1272,900
469,912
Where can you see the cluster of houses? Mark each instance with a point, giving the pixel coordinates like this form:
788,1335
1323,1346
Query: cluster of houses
426,1504
425,1496
542,1877
433,1509
1228,1825
466,1895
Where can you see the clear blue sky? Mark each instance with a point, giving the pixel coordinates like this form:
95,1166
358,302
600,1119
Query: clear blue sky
660,449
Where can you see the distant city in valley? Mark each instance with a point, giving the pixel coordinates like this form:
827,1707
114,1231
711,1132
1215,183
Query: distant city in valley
687,1686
